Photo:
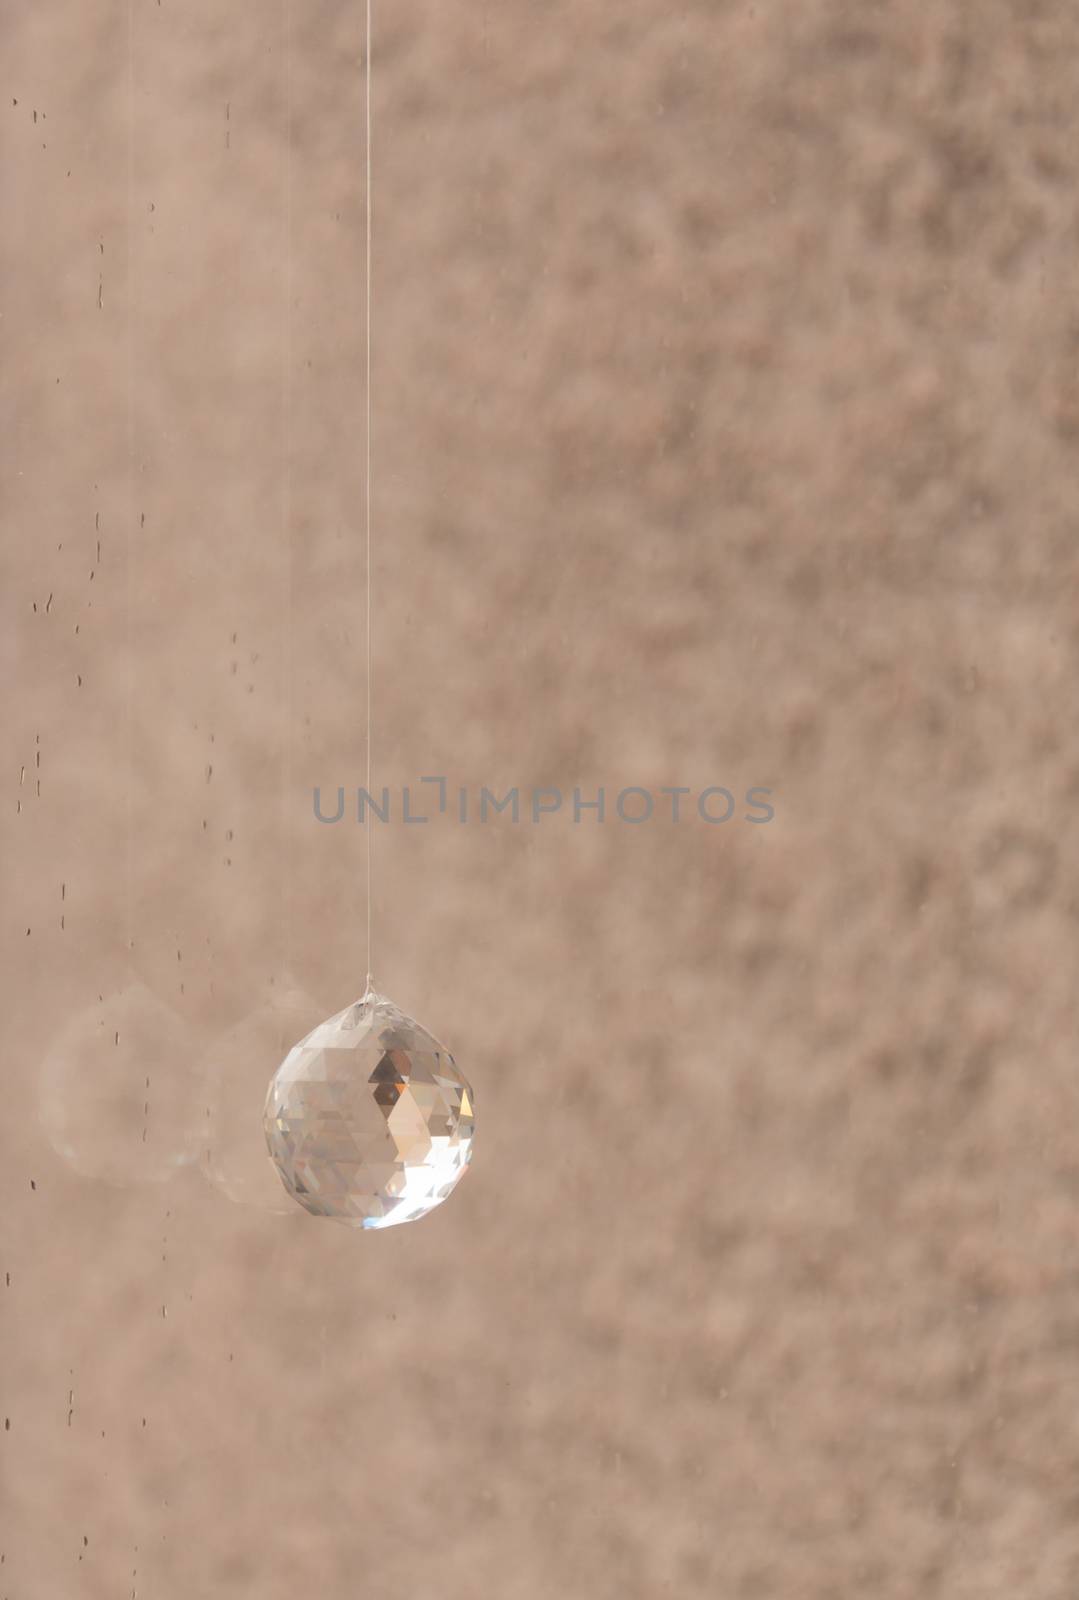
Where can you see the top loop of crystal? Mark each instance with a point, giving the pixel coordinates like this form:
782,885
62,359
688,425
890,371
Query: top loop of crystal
368,1119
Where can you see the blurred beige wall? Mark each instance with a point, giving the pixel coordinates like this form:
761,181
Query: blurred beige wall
726,413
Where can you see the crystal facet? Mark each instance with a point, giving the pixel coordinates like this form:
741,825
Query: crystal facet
368,1119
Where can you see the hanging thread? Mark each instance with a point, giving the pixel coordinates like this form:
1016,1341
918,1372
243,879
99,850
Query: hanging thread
367,494
129,931
286,497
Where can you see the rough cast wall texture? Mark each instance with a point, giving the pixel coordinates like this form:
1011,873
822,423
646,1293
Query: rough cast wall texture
725,433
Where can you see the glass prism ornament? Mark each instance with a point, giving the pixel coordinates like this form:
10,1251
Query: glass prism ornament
368,1119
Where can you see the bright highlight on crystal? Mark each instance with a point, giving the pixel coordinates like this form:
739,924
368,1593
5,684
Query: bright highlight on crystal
368,1119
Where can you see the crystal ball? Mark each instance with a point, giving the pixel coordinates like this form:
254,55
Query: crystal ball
368,1119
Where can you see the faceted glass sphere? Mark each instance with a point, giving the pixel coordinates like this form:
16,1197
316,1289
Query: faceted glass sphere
368,1119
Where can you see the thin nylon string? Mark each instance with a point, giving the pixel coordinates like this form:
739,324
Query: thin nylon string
367,509
132,486
286,493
